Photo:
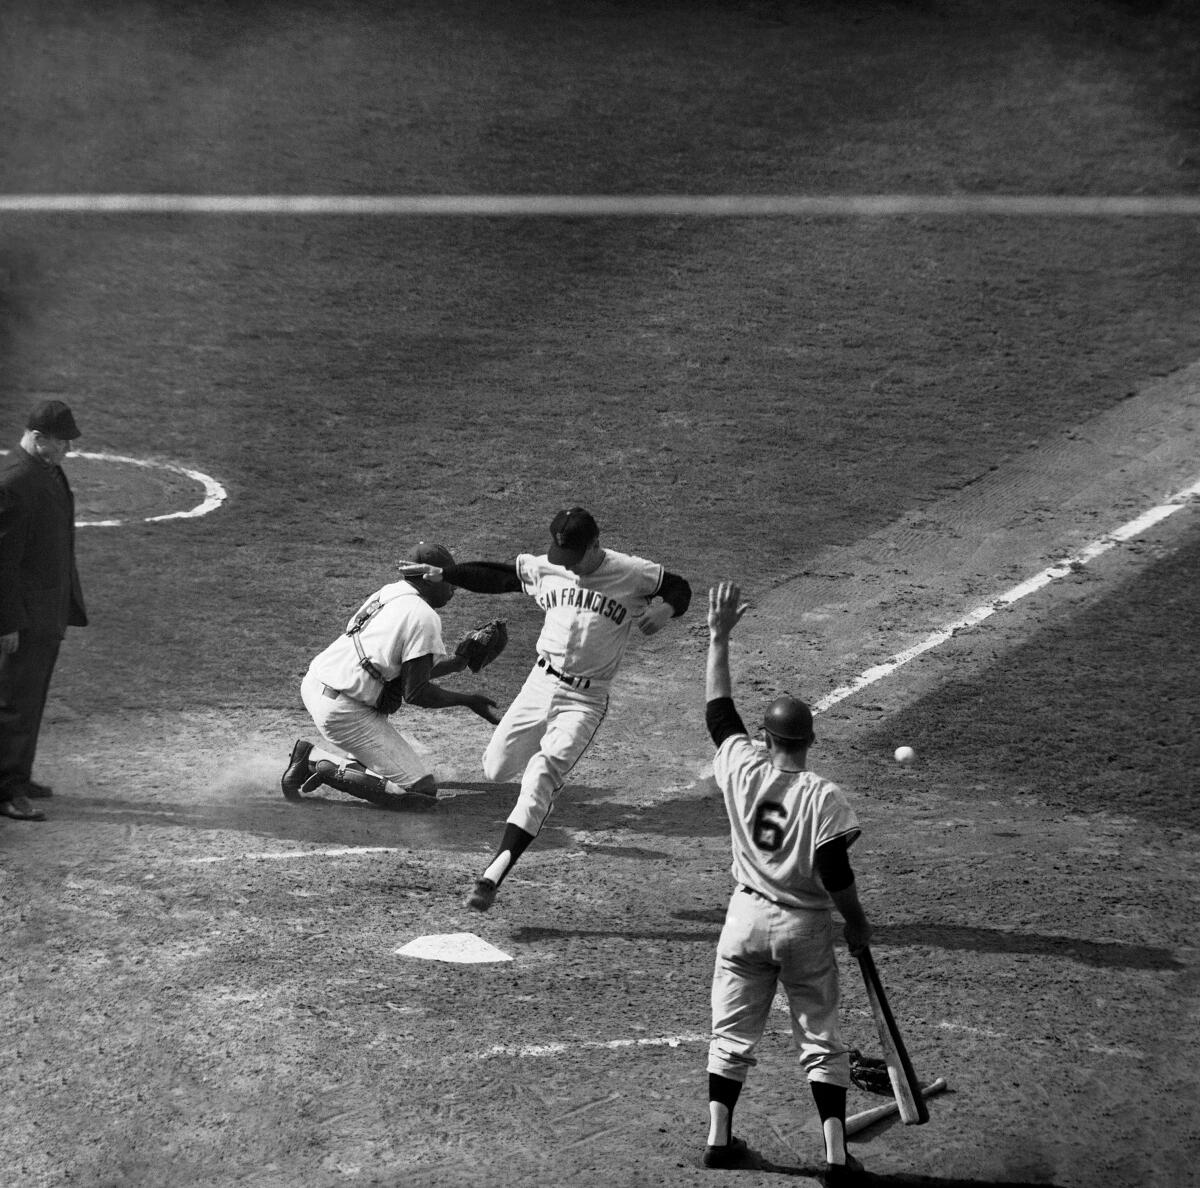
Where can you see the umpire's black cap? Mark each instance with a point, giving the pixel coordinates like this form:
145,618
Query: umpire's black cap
54,419
789,720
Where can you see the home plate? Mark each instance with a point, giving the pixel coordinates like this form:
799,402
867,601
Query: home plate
464,947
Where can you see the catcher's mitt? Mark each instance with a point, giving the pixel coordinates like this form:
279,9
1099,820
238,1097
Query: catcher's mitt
870,1073
481,646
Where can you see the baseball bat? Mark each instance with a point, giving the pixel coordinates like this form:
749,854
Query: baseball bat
905,1086
857,1122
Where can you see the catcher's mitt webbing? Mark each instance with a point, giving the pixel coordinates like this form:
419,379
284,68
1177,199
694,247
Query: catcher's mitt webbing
481,646
870,1073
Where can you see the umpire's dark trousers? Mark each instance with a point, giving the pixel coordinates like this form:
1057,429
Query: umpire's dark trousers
24,684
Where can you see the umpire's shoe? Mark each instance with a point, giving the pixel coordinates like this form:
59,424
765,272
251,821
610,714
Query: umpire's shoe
298,770
483,896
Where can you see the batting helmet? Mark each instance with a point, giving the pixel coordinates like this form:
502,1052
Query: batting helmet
789,720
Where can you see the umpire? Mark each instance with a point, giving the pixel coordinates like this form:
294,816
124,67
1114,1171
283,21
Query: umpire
40,595
790,831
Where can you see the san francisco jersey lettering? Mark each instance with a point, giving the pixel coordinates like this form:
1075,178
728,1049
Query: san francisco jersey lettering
588,619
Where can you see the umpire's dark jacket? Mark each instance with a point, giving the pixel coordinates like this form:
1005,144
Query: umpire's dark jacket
39,584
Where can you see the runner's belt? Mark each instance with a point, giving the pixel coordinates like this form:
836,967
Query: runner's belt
759,895
574,682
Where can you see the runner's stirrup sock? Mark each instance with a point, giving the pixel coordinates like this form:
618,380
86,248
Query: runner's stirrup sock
513,844
831,1106
722,1097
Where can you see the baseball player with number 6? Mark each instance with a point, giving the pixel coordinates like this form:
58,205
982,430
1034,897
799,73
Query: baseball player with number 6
593,597
790,831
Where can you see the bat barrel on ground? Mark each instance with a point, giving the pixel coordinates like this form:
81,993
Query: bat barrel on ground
905,1086
857,1122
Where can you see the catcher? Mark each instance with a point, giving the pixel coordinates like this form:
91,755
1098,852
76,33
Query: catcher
388,656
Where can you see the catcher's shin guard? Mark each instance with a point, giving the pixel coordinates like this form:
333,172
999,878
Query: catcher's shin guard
355,780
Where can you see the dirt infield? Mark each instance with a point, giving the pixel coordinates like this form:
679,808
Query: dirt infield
875,424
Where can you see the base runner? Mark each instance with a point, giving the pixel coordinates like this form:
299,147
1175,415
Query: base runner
593,597
790,831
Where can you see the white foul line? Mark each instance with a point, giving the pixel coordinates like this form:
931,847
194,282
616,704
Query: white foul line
613,205
1088,553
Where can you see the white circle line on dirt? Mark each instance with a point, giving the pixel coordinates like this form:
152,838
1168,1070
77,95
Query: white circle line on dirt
615,205
973,618
335,852
214,493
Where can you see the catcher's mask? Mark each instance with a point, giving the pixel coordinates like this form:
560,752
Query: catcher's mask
790,721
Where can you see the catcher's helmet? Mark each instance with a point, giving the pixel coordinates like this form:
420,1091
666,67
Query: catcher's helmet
789,720
437,594
433,554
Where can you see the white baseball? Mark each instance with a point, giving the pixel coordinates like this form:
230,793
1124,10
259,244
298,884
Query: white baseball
905,755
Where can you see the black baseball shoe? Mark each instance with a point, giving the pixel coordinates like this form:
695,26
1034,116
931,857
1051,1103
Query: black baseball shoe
298,770
733,1154
850,1172
483,896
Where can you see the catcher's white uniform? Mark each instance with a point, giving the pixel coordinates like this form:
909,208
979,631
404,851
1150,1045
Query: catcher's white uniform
564,699
340,693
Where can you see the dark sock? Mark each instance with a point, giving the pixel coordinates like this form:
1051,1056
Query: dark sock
831,1105
513,844
724,1091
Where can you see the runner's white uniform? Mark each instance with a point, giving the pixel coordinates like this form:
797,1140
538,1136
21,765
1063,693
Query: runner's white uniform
564,699
779,925
341,694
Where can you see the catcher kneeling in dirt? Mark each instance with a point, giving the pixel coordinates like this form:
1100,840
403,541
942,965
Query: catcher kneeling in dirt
388,656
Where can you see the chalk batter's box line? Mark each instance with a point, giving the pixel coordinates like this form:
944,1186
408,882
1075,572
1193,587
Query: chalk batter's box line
277,855
617,205
534,1051
1052,573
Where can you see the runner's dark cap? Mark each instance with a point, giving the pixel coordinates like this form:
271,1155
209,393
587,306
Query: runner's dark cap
572,531
54,419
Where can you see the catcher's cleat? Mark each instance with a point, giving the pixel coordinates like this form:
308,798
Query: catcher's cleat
733,1154
483,896
850,1172
296,778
